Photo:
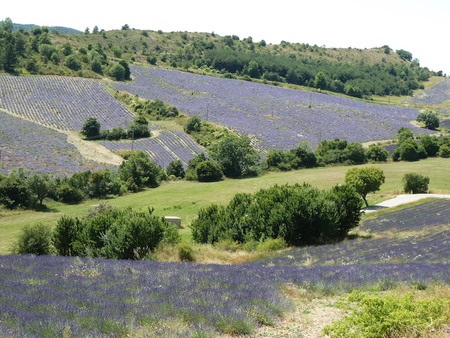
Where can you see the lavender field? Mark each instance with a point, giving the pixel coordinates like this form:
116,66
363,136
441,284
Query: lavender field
416,234
168,146
437,95
49,296
61,102
279,118
38,149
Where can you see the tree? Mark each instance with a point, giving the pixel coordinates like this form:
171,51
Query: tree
91,127
138,171
320,81
405,55
431,145
39,186
127,74
176,169
365,180
14,193
235,155
72,63
415,183
34,240
429,119
208,171
377,153
194,124
117,72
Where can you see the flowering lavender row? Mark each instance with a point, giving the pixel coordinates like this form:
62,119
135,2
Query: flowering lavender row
47,295
61,102
416,234
436,95
278,117
415,218
39,149
168,146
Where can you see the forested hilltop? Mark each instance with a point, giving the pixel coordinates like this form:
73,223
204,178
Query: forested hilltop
98,53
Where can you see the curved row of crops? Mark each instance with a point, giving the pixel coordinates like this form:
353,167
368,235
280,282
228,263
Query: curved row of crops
61,102
168,146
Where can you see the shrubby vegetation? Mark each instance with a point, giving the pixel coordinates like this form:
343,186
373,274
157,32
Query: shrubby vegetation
137,129
415,183
152,110
365,180
113,233
298,214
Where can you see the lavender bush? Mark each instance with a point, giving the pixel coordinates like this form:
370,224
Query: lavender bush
276,117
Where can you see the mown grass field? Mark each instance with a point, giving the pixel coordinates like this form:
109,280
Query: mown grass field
184,199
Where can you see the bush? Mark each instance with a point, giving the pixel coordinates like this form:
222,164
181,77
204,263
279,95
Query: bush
194,124
389,316
91,127
377,153
444,151
176,169
208,171
272,244
299,214
185,252
415,183
429,119
35,240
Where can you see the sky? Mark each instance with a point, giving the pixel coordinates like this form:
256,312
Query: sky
418,26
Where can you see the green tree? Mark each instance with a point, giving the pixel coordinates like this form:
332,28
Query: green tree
431,145
127,73
91,127
235,155
194,124
208,171
176,169
321,81
14,193
40,187
429,119
72,62
415,183
138,172
377,153
117,72
365,180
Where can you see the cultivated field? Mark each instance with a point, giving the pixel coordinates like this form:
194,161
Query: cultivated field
278,118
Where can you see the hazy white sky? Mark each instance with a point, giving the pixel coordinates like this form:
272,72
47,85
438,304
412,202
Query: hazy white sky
418,26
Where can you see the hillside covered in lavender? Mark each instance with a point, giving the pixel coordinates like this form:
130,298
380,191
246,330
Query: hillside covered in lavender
278,118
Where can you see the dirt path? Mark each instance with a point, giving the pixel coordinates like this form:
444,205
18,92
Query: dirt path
402,199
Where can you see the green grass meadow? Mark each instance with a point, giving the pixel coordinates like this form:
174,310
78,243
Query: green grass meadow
184,198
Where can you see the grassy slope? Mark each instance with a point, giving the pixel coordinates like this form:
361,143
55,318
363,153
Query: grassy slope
184,199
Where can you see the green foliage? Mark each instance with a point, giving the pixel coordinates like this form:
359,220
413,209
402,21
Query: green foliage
298,214
408,150
68,194
340,151
193,125
40,187
91,127
272,244
14,193
405,55
431,145
415,183
444,151
377,153
117,72
365,180
235,155
35,240
113,233
176,169
300,157
375,316
154,110
429,119
208,171
138,172
185,252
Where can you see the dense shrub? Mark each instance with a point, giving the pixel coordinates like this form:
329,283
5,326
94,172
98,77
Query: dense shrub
415,183
431,145
14,193
340,151
35,240
389,316
299,214
208,171
176,169
377,153
117,234
429,119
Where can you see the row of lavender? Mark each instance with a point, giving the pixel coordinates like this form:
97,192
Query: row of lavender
436,95
279,117
39,149
49,296
416,234
168,146
61,102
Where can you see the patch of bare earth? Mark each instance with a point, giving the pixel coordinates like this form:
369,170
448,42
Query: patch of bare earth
310,314
93,151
